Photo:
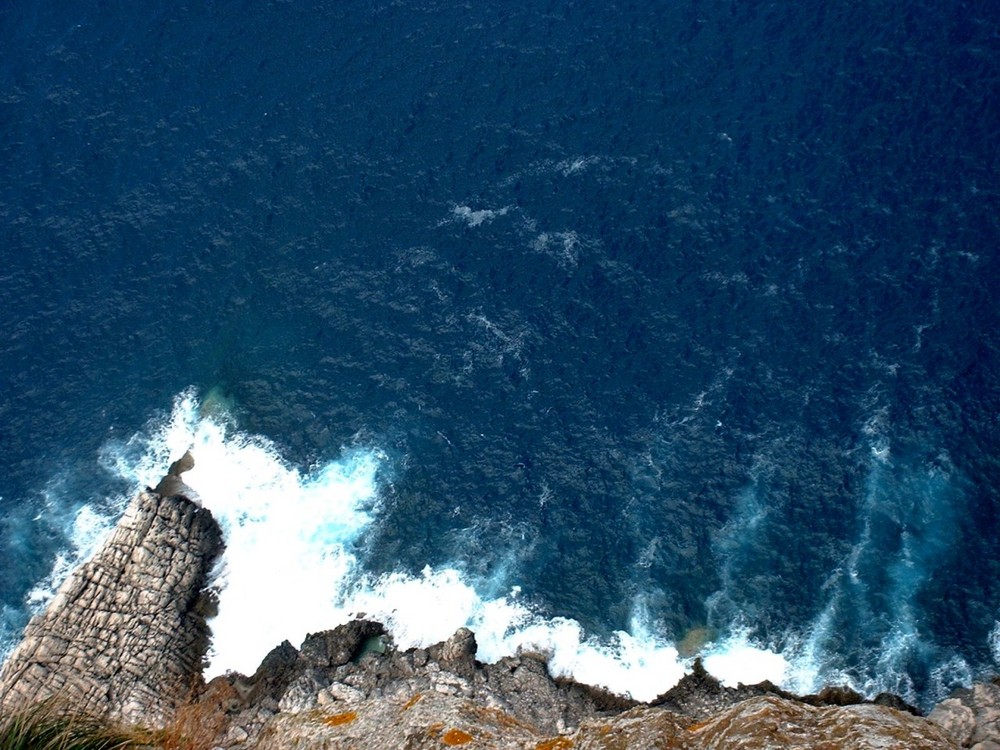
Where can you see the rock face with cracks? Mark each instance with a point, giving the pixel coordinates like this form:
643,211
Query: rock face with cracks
971,716
344,690
125,636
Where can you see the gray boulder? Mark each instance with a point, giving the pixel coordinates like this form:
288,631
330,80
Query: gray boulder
971,716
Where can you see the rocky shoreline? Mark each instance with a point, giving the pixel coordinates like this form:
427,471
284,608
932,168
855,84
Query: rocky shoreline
125,639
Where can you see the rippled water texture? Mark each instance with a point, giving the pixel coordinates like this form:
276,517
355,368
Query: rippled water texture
671,319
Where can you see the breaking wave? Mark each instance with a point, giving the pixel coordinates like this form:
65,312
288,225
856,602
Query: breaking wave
296,548
294,564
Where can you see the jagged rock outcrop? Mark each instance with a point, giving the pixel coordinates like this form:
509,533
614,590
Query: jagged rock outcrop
356,664
348,688
125,636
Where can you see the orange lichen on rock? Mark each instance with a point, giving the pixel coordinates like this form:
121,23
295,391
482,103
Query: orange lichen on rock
338,719
556,743
456,737
413,701
496,716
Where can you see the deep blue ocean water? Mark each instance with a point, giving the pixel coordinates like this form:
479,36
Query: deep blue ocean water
677,319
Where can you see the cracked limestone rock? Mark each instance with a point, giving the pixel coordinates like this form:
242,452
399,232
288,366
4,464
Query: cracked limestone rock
125,636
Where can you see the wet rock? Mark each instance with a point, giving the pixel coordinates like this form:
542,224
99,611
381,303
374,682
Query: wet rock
458,653
894,701
173,486
274,674
333,648
835,695
369,703
699,695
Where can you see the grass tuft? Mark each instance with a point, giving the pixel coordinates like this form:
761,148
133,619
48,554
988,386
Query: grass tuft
45,727
198,724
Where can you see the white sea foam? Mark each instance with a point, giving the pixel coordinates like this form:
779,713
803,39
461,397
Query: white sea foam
426,609
475,217
948,674
916,501
736,659
994,641
808,668
563,246
10,626
87,530
577,164
289,535
292,566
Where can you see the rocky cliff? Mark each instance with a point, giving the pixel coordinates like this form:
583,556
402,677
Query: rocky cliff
125,637
346,689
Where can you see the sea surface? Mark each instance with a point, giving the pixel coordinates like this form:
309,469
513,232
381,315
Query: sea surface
621,331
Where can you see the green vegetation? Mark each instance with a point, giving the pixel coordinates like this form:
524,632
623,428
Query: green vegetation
44,727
